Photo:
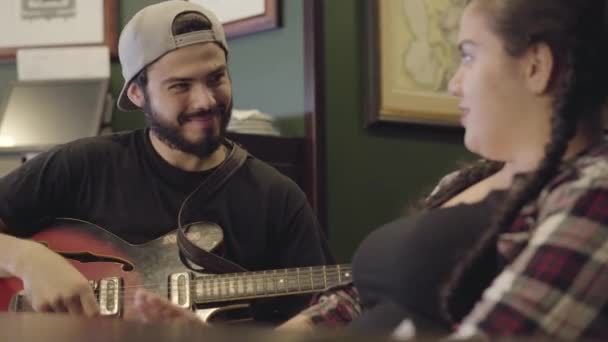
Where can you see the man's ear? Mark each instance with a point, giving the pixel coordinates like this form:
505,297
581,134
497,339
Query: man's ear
135,94
539,68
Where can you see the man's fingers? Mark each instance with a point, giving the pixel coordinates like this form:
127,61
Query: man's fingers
59,305
73,305
89,304
153,308
44,307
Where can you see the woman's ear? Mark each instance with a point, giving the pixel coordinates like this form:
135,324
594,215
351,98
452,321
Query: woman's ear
539,64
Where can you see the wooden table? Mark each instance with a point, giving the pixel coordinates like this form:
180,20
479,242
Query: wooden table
21,327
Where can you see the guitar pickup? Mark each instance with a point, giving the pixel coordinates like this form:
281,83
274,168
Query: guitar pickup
179,289
110,299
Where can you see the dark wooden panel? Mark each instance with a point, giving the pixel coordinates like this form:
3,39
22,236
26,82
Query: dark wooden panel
314,91
286,154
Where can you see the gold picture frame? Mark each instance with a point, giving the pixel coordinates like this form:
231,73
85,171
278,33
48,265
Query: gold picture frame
252,15
412,55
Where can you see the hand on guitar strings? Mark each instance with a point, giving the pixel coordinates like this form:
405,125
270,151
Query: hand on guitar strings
53,284
149,307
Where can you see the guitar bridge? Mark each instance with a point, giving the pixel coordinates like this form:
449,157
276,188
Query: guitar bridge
110,299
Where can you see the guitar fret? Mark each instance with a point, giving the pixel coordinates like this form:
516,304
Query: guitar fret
240,286
280,283
298,279
218,287
285,280
292,280
259,283
304,280
200,290
249,290
271,282
226,284
319,281
231,287
312,285
332,278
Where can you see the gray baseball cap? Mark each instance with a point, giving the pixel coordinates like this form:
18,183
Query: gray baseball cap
148,36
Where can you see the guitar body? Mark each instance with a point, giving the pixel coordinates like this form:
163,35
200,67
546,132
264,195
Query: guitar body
116,269
98,254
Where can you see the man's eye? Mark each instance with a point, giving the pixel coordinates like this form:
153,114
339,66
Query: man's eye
179,86
216,78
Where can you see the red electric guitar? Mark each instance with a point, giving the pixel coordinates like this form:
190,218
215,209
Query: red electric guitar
116,269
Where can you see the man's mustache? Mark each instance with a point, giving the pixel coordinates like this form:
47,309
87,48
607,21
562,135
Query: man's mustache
218,111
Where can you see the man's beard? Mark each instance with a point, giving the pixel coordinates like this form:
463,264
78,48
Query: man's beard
170,134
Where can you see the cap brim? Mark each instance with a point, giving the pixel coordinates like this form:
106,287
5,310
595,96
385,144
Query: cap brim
124,103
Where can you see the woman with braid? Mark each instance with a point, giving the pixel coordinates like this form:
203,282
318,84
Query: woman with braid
516,243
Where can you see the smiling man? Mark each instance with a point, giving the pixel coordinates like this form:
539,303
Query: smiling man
174,61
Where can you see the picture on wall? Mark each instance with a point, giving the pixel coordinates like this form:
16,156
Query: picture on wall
242,17
412,54
54,23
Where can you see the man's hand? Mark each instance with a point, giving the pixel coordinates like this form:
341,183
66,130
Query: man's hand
51,283
299,323
149,307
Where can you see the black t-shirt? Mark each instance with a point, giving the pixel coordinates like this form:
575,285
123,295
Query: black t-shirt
122,184
400,268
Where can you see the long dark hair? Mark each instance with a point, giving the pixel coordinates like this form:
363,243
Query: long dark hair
574,30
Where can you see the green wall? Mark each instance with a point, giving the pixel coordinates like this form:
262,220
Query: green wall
373,174
267,70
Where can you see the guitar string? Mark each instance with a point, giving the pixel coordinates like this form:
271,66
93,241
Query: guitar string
257,275
265,291
264,278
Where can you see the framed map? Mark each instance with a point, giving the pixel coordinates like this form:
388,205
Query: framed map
241,17
412,55
55,23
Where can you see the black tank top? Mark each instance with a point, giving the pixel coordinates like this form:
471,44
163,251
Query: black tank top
399,268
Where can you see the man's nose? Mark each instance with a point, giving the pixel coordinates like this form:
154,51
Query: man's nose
203,98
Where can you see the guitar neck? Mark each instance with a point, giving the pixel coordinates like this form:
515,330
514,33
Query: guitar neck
272,283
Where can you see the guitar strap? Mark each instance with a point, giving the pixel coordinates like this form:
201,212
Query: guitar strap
206,190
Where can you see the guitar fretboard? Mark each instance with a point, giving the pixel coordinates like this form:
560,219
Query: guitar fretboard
248,285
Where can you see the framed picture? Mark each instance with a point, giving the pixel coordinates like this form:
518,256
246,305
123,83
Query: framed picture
54,23
242,17
412,55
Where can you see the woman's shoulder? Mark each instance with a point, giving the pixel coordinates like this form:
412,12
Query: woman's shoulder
587,170
581,182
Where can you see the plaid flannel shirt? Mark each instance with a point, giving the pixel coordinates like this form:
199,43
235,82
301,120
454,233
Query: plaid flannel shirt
555,282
